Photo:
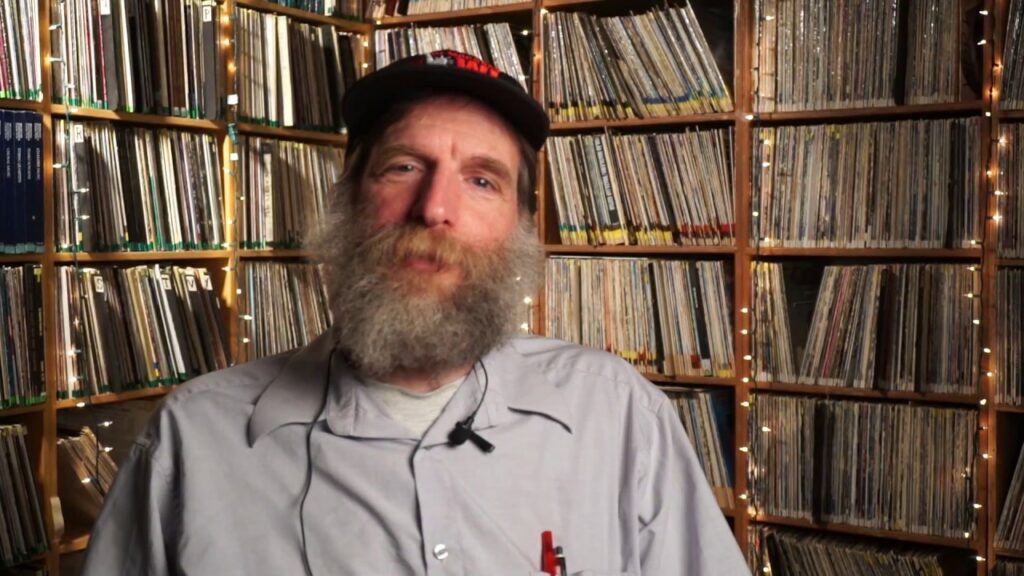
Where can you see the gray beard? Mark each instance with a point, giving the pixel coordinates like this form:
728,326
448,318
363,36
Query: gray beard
384,323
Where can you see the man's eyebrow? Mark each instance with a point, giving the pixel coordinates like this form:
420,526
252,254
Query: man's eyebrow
391,150
492,165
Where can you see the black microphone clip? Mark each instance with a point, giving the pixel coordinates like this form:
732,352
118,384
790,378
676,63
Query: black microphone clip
463,431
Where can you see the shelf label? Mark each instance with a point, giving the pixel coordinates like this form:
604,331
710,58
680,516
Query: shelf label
104,7
207,284
190,283
78,134
97,284
207,13
165,281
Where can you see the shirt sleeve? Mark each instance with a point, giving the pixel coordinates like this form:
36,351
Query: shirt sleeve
132,532
683,531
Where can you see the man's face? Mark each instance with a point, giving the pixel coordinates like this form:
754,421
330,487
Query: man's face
446,174
429,259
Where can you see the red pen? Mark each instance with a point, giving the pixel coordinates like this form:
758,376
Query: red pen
548,561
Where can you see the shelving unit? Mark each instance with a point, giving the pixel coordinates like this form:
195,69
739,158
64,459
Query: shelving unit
42,419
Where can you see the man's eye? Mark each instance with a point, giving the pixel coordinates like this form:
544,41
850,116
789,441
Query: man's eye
401,168
481,182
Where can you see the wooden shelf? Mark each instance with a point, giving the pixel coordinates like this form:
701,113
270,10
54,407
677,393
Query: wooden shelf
60,110
332,138
938,398
661,379
19,410
306,15
1012,115
947,542
636,250
1011,262
1009,409
729,512
112,398
274,253
73,541
1005,553
888,112
11,104
142,256
558,4
935,253
665,121
519,8
33,258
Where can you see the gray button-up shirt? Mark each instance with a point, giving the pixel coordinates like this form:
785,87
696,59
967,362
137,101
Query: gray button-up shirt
585,447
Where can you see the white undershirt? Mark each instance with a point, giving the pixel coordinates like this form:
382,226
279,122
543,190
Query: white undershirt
415,410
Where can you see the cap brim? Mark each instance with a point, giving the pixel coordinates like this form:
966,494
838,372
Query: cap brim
370,98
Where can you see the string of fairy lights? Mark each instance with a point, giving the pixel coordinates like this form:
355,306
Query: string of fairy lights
757,430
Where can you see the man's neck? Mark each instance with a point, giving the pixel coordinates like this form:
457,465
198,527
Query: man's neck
425,381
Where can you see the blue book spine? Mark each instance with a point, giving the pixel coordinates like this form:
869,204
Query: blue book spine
16,243
36,217
6,178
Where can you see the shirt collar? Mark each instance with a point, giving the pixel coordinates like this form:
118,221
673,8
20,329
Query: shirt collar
296,395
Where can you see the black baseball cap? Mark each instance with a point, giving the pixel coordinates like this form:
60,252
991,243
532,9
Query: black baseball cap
443,71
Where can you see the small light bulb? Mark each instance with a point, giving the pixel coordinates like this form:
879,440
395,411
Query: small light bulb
977,506
748,117
745,310
986,350
745,404
527,300
765,429
744,449
80,405
982,42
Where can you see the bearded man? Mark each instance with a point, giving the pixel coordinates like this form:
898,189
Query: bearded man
421,436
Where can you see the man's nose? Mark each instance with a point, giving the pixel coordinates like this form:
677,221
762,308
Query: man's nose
437,202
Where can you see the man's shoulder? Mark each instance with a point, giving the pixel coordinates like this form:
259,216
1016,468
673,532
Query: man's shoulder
242,384
587,371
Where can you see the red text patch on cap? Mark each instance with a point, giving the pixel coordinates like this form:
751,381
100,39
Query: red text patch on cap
459,60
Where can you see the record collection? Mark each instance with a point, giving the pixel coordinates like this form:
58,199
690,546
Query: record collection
137,326
1009,568
22,532
1011,96
644,189
150,56
86,472
291,73
1010,335
348,9
21,77
285,186
21,181
913,465
384,8
665,317
904,327
22,378
707,417
493,43
138,189
1010,186
792,552
1010,531
657,63
283,306
849,54
906,184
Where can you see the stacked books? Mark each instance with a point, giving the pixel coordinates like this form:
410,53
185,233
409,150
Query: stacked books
287,304
293,74
907,184
1010,532
1010,183
22,533
1011,96
707,417
903,327
285,186
21,76
382,8
22,380
649,189
1010,335
1008,568
914,465
152,56
129,188
340,8
640,66
665,317
493,43
86,473
790,552
135,327
849,54
21,181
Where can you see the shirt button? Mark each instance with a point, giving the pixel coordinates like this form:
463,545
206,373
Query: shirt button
440,552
